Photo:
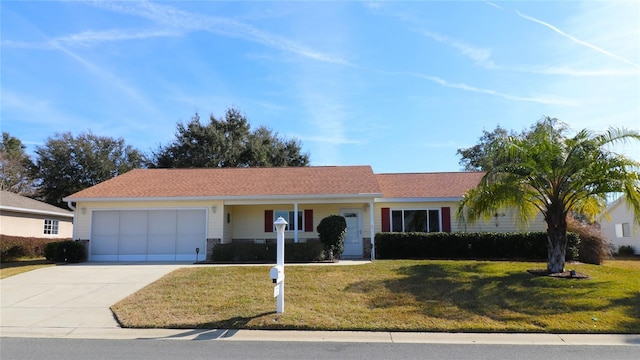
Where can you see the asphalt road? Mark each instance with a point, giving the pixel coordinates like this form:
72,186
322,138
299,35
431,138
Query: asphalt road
76,349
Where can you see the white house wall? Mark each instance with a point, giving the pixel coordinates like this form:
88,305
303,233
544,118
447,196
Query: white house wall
620,214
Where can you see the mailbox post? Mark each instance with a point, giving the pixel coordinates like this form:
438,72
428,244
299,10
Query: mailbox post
277,272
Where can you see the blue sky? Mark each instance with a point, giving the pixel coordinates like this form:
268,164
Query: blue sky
399,86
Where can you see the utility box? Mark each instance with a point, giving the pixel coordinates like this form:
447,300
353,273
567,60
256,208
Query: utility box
277,274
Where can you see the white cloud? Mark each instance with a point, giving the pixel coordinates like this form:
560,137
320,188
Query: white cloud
481,56
546,100
576,40
175,18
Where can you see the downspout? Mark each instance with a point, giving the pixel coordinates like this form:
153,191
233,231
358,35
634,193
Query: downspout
71,206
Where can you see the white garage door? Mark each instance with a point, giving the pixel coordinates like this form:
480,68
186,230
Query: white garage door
147,235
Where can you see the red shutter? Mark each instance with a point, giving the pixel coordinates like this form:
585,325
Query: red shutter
308,220
386,219
268,221
446,219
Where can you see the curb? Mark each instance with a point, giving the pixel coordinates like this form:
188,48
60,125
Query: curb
325,336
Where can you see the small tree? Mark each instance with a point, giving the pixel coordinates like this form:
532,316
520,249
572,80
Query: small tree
550,172
332,231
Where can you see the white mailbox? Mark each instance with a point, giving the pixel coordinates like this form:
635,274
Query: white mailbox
277,274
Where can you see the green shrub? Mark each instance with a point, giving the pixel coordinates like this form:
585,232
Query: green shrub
249,252
65,251
438,245
332,231
626,250
15,247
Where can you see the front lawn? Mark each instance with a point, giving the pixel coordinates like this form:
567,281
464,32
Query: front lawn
20,266
479,296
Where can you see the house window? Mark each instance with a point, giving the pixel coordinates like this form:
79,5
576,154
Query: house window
415,220
50,227
289,217
623,230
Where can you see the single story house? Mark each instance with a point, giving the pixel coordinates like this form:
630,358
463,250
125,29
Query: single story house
620,228
25,217
165,214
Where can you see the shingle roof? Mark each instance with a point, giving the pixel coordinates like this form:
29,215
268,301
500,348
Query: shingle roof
236,182
428,185
15,202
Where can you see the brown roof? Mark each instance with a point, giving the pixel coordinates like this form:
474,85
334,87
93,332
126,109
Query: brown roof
236,182
428,185
11,201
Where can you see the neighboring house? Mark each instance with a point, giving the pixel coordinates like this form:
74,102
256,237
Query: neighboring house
165,214
22,216
620,229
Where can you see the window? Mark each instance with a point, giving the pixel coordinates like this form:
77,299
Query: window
289,217
50,227
623,230
415,220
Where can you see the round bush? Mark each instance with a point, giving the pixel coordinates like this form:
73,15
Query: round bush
332,231
65,251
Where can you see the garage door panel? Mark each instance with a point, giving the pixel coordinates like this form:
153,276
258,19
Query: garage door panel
133,244
104,245
105,223
188,244
133,222
162,222
162,244
191,222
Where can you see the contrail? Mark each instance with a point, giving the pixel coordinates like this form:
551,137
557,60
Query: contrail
574,39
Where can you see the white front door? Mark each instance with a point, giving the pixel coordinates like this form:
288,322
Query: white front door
353,240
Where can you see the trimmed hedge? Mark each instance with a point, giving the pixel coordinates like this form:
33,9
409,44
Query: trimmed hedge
248,252
65,251
15,247
526,246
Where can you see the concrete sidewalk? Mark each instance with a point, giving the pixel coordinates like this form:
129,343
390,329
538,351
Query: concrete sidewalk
73,301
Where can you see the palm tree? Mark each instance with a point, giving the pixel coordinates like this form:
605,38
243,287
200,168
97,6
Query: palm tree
546,171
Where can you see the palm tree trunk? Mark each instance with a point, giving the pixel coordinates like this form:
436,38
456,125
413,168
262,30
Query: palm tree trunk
556,249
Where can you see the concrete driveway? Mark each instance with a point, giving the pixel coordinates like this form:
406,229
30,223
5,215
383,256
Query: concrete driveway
64,298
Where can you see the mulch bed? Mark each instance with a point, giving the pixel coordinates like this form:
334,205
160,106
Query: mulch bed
571,274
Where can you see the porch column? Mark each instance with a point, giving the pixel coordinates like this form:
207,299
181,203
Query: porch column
371,231
295,222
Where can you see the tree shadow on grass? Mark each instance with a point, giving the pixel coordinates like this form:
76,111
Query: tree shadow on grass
236,322
456,293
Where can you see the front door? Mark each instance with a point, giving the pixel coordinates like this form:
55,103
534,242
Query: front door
353,240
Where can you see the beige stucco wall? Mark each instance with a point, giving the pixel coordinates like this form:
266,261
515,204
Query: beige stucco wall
31,225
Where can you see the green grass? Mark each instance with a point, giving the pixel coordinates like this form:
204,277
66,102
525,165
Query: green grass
20,266
476,296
